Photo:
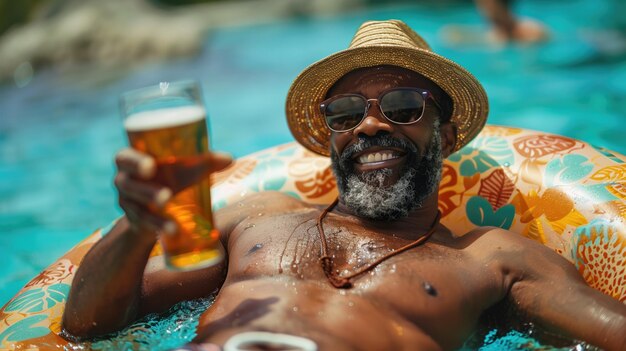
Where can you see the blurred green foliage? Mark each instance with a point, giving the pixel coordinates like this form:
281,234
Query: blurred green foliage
15,12
181,2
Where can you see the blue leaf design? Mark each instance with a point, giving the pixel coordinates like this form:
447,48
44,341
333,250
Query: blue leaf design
609,154
268,175
567,170
483,154
477,164
480,213
39,299
22,330
57,293
27,302
293,194
219,204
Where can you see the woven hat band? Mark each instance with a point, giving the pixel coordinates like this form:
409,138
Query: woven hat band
389,33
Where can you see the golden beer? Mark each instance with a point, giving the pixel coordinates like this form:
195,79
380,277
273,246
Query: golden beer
174,136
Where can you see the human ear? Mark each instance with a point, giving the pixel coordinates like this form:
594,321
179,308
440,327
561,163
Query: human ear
448,138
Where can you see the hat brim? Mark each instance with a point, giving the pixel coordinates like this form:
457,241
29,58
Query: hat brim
309,89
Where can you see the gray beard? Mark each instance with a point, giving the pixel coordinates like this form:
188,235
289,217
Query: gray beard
367,195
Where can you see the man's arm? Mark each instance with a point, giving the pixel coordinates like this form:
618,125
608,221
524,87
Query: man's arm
110,289
507,26
549,290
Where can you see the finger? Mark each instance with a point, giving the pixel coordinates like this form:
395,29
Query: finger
136,163
182,172
207,164
147,194
218,161
144,220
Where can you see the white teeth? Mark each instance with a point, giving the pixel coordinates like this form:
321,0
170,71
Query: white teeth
376,157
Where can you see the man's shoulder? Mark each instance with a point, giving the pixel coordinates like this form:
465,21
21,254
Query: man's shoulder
501,245
491,239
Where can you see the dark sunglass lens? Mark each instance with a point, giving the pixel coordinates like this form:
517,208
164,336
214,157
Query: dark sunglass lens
345,113
402,106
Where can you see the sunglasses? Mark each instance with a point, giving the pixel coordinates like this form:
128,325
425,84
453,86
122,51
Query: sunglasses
399,105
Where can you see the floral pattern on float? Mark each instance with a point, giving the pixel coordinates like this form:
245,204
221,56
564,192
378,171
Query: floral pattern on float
563,193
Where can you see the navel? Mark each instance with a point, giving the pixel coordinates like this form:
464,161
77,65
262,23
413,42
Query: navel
430,290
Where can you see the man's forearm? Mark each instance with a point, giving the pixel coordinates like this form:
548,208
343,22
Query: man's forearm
106,290
579,312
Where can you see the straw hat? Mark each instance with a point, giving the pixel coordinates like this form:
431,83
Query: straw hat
383,43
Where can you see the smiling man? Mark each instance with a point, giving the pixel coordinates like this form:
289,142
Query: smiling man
373,271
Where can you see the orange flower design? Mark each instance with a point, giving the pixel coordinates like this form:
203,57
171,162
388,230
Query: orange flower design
315,187
602,261
56,273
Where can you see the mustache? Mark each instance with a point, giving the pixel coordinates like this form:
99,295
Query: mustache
365,142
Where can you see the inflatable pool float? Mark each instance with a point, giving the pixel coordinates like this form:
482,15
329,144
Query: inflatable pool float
563,193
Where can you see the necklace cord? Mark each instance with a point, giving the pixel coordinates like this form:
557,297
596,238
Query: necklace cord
327,262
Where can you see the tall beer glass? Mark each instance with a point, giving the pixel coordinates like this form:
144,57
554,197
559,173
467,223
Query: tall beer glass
168,122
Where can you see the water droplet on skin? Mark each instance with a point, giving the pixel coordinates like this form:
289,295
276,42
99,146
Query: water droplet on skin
260,214
295,309
342,292
507,164
350,303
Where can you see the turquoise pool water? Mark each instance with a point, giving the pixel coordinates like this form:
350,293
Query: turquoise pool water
59,133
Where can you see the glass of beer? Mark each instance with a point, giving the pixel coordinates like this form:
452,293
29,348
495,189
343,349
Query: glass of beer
168,122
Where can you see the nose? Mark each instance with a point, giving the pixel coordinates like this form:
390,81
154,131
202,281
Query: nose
374,121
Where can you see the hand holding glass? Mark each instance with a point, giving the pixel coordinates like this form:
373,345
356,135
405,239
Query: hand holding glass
168,122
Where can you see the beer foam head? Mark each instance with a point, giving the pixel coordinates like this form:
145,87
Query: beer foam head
163,118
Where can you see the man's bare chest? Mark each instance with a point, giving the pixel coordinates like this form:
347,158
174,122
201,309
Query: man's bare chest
290,245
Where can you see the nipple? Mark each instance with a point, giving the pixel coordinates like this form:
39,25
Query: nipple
430,290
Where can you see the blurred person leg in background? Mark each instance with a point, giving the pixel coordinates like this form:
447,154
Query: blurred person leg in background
508,27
